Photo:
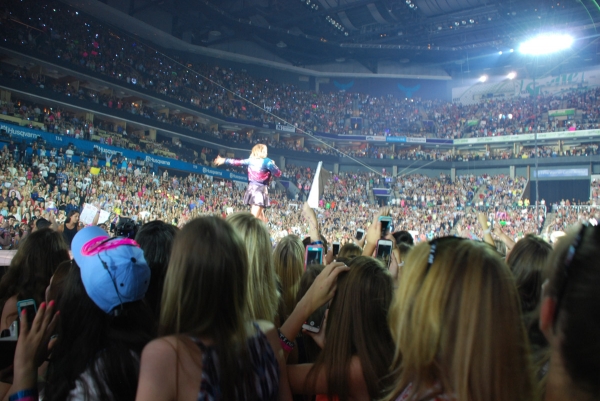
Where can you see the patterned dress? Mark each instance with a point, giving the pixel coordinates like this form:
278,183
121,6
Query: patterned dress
260,172
265,370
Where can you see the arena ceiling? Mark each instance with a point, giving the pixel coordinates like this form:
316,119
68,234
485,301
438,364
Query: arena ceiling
457,35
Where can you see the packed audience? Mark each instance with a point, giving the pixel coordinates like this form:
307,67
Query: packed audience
198,303
67,123
130,326
61,32
47,183
568,216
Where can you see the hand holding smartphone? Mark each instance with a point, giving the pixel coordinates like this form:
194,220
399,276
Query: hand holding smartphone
384,251
313,255
31,308
360,233
315,320
336,249
386,225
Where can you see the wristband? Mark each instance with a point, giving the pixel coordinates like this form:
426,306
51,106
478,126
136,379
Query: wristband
29,394
317,243
286,344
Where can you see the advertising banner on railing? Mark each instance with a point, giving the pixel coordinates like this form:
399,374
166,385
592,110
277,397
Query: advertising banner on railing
60,141
340,137
439,141
561,112
396,139
529,137
285,128
416,140
562,173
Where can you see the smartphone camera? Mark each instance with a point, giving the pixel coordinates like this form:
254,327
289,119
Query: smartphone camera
384,251
313,256
386,225
315,320
31,308
336,248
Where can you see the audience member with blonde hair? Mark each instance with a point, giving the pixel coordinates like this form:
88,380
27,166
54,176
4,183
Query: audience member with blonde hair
457,327
262,280
288,259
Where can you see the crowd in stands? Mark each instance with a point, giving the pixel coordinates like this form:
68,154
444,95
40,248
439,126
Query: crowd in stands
61,32
67,123
40,182
567,216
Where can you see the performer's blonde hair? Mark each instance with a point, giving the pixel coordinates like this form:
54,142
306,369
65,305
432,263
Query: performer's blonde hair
259,151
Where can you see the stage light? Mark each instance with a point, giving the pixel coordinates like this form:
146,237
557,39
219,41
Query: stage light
546,44
500,52
483,78
512,50
511,75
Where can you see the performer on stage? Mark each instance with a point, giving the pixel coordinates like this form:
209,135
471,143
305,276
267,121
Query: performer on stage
260,171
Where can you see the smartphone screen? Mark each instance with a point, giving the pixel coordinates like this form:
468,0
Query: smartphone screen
384,251
359,234
386,225
314,256
336,248
315,320
30,307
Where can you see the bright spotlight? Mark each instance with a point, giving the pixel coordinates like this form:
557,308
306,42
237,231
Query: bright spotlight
511,75
500,52
483,78
546,44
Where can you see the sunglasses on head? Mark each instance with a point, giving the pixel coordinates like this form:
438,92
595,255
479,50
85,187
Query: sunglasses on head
434,245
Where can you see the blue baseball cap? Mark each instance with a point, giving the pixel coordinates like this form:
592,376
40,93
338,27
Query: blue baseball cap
113,270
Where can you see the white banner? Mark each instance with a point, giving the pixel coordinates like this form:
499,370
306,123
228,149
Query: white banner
415,140
286,128
313,196
507,88
89,213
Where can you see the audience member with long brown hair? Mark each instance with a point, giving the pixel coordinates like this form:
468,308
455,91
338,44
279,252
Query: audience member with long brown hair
528,262
356,339
570,317
30,271
210,347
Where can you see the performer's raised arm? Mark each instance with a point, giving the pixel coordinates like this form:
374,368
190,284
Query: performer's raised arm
231,162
